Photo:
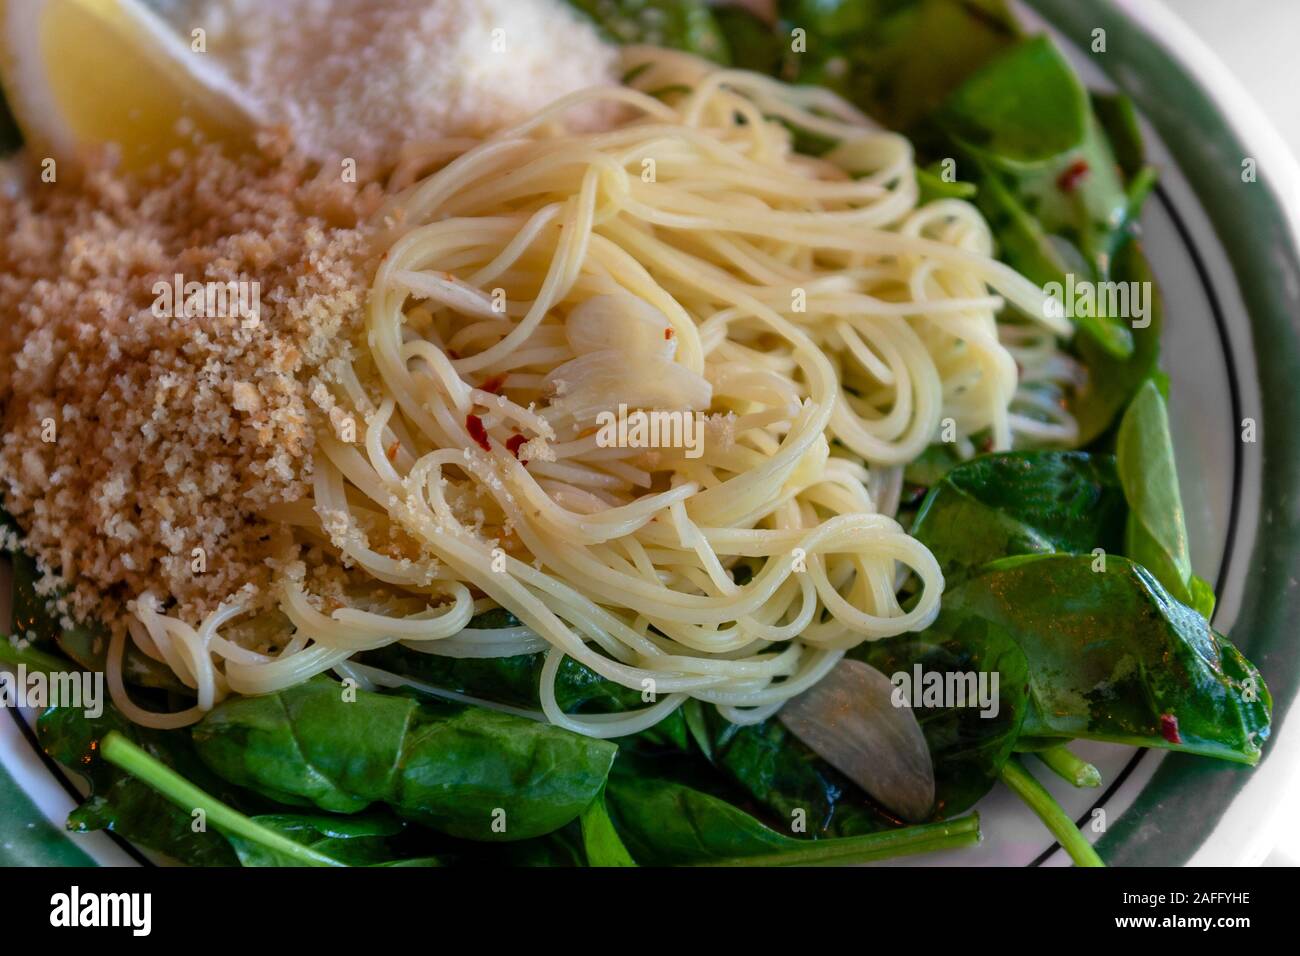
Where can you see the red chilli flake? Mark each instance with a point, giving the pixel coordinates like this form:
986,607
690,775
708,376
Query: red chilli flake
1074,174
1169,728
668,334
514,443
493,384
474,425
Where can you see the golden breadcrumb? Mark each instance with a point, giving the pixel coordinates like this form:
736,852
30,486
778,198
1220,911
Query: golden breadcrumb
133,435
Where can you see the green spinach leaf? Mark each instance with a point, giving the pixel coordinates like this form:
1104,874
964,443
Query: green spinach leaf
1048,180
466,771
361,840
781,774
668,823
1024,108
681,24
896,59
34,619
1023,502
125,805
1112,382
31,616
600,840
934,186
1113,656
1156,536
1119,120
967,744
753,43
89,648
516,681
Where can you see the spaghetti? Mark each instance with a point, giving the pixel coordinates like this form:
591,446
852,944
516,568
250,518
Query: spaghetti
818,326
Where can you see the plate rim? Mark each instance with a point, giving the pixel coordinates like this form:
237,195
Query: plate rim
1227,808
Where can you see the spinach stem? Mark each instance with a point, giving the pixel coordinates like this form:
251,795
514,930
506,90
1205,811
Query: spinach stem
121,752
34,658
1144,181
1035,795
946,835
1070,767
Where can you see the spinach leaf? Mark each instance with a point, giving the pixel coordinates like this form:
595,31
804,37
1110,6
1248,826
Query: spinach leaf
31,615
351,840
1112,382
89,648
780,773
1026,107
668,823
1113,656
132,759
935,462
1047,258
35,619
561,848
753,43
1156,536
697,725
417,861
967,745
516,681
1081,201
600,840
125,805
681,24
1118,118
896,59
15,652
1022,502
1048,180
503,680
455,769
933,186
509,680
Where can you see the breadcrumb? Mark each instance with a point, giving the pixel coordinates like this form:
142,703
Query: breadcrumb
142,446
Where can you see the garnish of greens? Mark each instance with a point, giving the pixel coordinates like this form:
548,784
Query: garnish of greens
1068,572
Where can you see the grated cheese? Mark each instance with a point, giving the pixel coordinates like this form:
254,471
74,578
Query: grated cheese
358,79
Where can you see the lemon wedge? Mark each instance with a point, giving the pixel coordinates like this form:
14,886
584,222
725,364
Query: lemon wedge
81,73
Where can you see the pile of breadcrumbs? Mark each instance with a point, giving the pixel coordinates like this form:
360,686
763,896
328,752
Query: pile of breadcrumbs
132,437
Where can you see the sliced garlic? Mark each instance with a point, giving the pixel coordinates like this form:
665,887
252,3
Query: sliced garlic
621,322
